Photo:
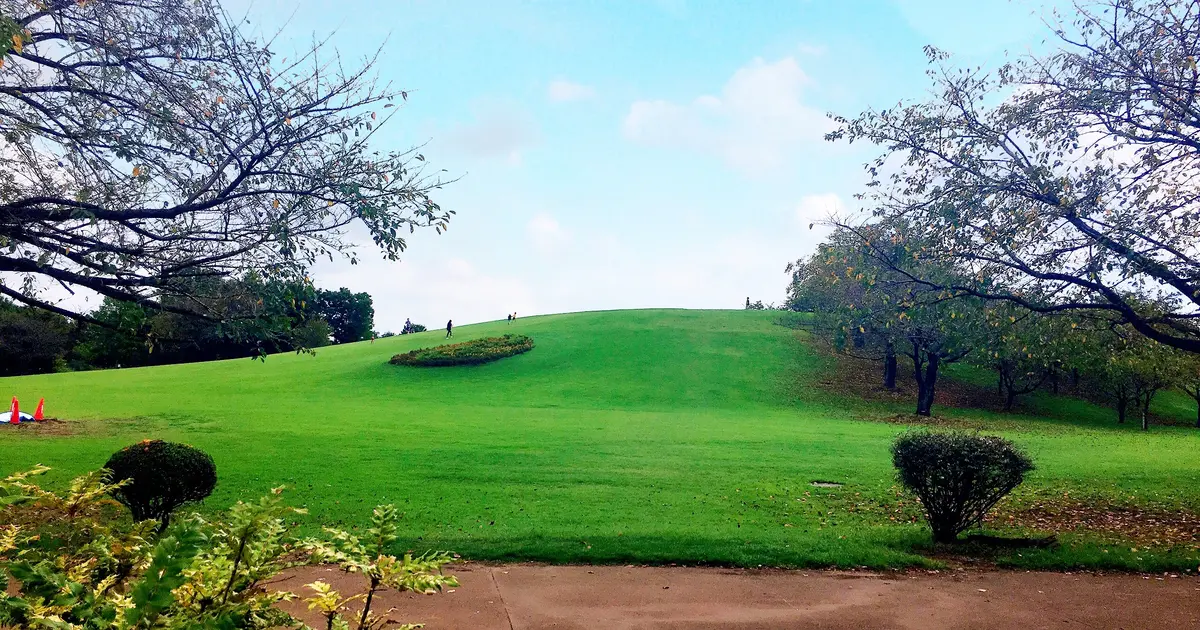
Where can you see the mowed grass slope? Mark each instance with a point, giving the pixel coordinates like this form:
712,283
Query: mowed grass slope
648,436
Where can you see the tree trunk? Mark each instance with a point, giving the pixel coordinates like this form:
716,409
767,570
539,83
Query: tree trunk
1006,384
889,367
918,373
926,386
1122,404
1054,381
944,536
1198,414
1145,405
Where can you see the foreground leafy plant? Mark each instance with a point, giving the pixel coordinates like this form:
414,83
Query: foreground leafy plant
472,352
958,477
77,563
421,574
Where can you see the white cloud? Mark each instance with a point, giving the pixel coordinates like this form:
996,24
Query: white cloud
816,208
566,91
496,133
569,265
810,212
547,235
430,291
462,290
758,121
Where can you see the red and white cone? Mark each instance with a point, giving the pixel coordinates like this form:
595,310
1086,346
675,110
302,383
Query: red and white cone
38,416
14,412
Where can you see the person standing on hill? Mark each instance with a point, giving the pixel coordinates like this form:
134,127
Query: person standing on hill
510,318
450,329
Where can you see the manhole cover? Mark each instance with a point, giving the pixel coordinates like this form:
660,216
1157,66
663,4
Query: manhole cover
827,484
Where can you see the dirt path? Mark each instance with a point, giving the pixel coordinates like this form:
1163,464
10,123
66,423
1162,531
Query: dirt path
521,597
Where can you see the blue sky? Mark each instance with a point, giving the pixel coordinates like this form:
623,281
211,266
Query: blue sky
629,153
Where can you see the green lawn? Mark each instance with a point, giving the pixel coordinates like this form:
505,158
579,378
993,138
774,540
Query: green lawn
652,436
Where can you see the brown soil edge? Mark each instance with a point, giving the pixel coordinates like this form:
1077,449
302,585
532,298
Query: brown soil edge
1108,522
60,427
533,595
49,426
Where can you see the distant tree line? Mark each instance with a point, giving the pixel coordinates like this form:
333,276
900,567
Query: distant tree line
876,311
262,317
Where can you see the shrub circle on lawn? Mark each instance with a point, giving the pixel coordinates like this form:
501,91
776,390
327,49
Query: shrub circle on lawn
472,352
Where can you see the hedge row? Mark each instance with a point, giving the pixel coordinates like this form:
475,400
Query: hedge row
472,352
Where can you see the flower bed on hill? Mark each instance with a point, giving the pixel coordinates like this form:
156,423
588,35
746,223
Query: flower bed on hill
472,352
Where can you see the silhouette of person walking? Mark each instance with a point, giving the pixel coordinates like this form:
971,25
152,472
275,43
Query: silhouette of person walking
450,329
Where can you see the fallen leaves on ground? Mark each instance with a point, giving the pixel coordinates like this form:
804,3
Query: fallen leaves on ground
1111,522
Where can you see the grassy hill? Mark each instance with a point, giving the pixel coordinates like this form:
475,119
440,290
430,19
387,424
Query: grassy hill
649,436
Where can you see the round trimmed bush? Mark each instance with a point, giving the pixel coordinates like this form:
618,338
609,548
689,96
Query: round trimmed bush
163,477
472,352
957,476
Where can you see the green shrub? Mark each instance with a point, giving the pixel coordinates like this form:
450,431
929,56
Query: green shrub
68,563
163,476
958,477
313,333
467,353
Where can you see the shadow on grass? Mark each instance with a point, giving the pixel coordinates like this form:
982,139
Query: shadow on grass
966,397
883,548
876,548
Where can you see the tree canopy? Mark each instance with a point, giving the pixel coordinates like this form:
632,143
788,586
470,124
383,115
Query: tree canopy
350,315
1069,181
872,310
148,145
875,308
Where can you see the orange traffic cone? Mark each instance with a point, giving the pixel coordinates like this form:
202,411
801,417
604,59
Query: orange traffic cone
14,413
38,416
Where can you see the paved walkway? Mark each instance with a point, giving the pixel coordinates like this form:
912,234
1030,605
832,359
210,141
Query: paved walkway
526,596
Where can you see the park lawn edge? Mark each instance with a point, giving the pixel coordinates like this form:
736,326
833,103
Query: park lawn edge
673,393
